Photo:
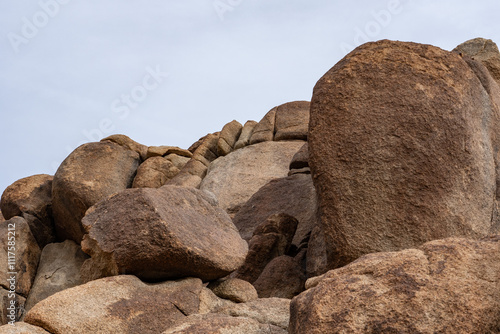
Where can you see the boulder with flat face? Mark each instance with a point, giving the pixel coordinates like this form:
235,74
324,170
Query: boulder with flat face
158,234
403,149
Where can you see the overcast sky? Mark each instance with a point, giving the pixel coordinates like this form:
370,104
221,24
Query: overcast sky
167,72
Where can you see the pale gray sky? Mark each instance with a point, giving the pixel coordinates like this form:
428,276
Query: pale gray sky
73,71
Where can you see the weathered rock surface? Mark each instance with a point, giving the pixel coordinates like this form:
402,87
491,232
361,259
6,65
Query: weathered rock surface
162,151
177,160
292,121
301,158
264,130
272,238
158,234
19,253
316,258
126,142
58,270
154,172
89,174
2,219
222,324
445,286
228,137
246,133
237,176
120,304
234,289
31,198
11,307
273,311
294,195
402,150
283,277
485,51
21,328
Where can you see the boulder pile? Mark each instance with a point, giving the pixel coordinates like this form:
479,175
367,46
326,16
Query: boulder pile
374,208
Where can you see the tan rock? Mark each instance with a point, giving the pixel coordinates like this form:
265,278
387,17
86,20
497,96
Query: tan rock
293,195
58,270
19,253
234,289
161,151
120,304
89,174
445,286
237,176
301,158
2,219
31,198
264,131
177,160
154,172
126,142
222,324
273,311
186,235
484,51
246,133
402,147
292,121
21,328
228,137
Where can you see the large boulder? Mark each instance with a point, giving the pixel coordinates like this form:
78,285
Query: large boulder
485,51
31,198
445,286
58,270
125,141
19,254
294,195
402,147
234,289
222,324
89,174
237,176
120,304
154,172
228,137
157,234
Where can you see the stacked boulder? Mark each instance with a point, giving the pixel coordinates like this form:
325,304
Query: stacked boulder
372,209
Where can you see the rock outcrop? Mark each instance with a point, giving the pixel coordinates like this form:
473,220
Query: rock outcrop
159,234
403,149
485,51
445,286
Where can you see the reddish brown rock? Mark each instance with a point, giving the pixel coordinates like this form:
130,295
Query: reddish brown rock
484,51
31,198
292,121
294,195
58,270
222,324
126,142
2,219
121,304
301,158
154,172
283,277
236,177
246,133
234,289
89,174
228,137
264,131
19,253
159,234
445,286
402,147
316,259
272,238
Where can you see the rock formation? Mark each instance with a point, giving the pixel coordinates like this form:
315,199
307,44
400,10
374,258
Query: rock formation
372,209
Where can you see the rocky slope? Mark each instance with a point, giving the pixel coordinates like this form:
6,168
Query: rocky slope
372,209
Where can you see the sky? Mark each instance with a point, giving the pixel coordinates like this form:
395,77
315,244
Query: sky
167,72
